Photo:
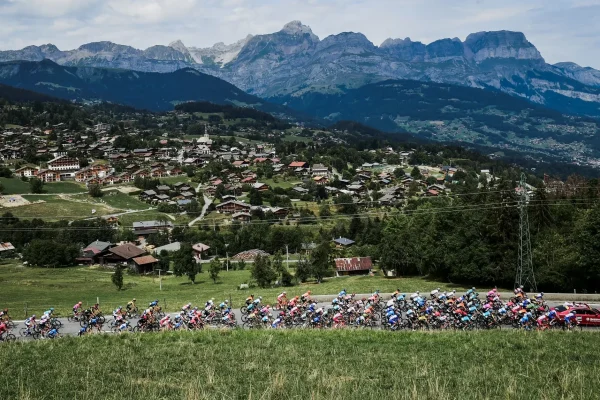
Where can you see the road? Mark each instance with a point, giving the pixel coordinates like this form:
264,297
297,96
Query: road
207,202
72,328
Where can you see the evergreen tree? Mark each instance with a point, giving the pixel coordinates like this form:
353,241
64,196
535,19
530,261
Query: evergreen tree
214,268
263,272
117,278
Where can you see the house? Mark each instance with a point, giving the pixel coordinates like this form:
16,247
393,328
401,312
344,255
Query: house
298,164
261,187
242,217
343,242
46,175
147,195
250,180
163,189
63,163
320,170
26,171
94,252
6,248
199,249
300,190
143,228
241,164
145,264
353,266
231,207
320,180
124,253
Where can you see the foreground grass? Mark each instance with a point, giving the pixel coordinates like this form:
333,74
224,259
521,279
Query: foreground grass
39,288
305,365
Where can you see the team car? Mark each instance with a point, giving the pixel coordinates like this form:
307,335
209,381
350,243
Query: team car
584,314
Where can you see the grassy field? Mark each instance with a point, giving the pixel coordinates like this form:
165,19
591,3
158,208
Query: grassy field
60,288
117,200
55,208
17,186
342,364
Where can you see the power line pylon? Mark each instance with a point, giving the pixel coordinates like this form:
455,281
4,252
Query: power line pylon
525,276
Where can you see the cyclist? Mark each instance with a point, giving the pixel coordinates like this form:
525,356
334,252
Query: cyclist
77,308
30,322
569,317
224,305
305,297
3,328
4,315
434,293
131,305
153,304
282,299
186,308
249,299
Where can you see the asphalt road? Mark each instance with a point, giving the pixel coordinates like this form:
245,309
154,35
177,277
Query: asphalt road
72,328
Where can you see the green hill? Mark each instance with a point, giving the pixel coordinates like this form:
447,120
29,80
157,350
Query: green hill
445,112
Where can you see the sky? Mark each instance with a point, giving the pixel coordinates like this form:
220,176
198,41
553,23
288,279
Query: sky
562,30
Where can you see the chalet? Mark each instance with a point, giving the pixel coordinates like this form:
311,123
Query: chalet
94,252
143,228
241,164
231,207
279,212
431,193
63,163
147,195
298,164
300,190
142,173
228,197
242,217
26,171
132,167
145,264
199,249
320,180
163,189
353,266
320,170
162,198
158,172
46,175
124,253
261,187
124,177
250,180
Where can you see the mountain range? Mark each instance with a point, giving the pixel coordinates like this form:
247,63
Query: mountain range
295,61
143,90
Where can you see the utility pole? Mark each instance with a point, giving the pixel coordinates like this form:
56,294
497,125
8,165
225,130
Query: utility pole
287,257
525,276
159,279
227,255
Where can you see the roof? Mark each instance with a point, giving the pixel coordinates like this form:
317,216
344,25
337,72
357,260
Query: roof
200,247
6,246
239,203
98,245
127,251
175,246
250,254
353,264
297,164
241,214
344,241
151,224
145,260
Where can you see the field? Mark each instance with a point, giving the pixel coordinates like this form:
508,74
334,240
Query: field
309,364
41,288
117,200
17,186
55,208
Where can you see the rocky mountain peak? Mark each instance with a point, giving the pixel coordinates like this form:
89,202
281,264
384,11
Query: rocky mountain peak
179,46
501,44
49,48
296,28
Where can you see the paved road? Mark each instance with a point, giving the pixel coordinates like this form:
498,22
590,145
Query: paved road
72,328
207,202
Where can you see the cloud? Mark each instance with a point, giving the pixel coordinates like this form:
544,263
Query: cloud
562,30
